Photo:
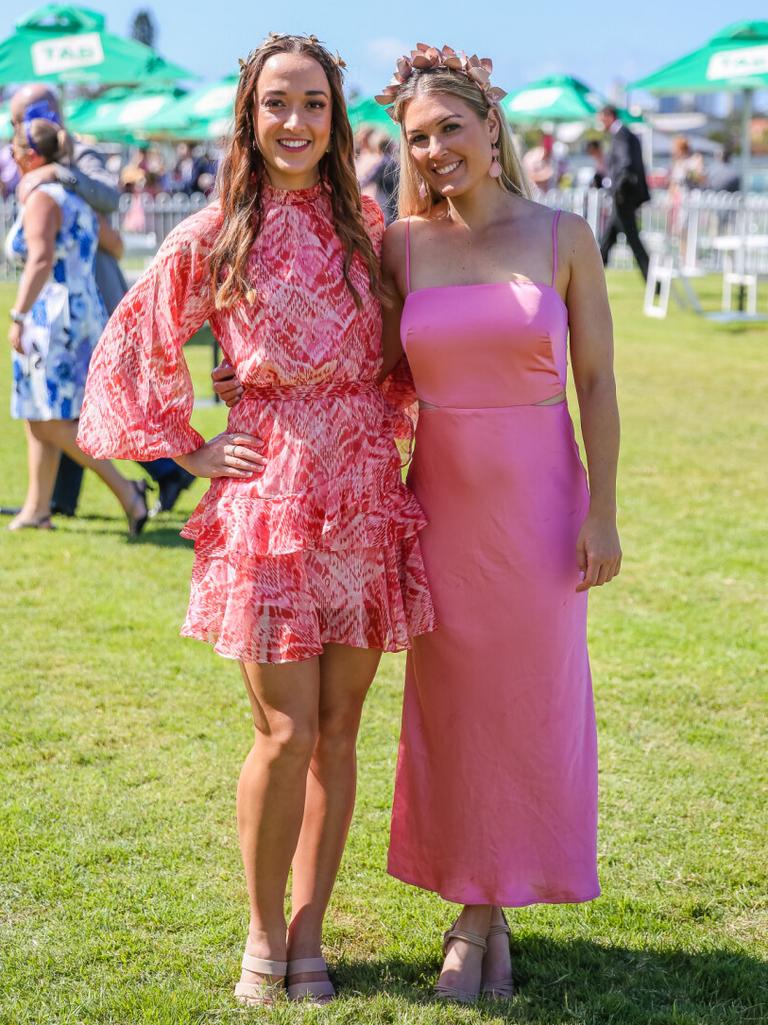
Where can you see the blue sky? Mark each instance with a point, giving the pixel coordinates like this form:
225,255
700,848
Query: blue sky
598,42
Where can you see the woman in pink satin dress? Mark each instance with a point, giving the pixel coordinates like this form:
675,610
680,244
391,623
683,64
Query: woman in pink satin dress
496,793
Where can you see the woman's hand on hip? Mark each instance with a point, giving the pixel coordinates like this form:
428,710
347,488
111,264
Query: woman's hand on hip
598,551
226,455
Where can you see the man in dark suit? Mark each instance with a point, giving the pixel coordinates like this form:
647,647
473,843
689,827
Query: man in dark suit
87,176
628,187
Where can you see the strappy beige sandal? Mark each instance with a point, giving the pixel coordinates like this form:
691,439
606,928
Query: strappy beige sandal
498,989
261,994
318,992
461,996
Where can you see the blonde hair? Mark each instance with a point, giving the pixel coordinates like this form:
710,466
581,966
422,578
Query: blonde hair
242,175
47,139
414,196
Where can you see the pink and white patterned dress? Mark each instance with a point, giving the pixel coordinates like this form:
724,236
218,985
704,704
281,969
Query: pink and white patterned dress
322,547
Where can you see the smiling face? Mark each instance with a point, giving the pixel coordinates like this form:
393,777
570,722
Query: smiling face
292,119
449,144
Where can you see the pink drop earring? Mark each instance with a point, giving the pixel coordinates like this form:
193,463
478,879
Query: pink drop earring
494,171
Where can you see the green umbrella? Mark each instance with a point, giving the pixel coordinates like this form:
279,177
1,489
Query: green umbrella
368,112
556,98
56,43
735,60
120,112
205,113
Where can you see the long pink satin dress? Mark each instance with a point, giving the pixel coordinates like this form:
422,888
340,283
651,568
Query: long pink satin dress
496,791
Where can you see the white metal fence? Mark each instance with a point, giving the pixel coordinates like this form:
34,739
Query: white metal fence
687,225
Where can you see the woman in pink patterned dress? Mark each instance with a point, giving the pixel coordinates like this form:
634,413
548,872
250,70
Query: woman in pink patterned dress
307,559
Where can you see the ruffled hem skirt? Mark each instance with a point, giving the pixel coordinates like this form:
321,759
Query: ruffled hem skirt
285,608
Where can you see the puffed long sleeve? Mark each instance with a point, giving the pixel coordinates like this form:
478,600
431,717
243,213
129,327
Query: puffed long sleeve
138,396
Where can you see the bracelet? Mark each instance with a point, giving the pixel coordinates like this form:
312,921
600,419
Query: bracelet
16,317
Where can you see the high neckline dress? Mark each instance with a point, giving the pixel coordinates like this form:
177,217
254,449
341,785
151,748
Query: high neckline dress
322,547
496,789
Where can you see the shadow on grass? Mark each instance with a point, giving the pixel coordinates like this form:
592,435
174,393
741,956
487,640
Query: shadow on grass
163,534
166,536
592,983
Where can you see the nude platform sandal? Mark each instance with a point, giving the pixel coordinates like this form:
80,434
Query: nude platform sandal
461,996
498,989
319,992
261,994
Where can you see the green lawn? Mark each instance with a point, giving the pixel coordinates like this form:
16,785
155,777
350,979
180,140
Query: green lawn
121,895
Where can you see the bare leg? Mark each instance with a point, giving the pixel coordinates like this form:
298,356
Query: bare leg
42,464
63,434
463,964
497,964
271,791
345,676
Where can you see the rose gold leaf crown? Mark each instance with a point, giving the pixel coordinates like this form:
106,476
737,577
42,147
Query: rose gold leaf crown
429,58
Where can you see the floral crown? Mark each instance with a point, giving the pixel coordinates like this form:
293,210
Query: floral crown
429,58
244,62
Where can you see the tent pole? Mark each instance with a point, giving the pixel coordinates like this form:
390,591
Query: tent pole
746,147
746,139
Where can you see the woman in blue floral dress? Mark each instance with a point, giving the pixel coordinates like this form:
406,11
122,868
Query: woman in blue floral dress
55,324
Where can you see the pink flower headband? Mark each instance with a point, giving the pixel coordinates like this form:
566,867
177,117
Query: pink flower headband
429,58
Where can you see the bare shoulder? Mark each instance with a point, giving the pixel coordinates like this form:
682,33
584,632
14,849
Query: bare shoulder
40,203
42,214
574,234
393,248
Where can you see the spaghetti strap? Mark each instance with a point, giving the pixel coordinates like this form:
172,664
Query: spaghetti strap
555,219
407,255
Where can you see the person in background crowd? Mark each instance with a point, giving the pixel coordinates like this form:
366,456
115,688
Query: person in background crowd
628,187
722,176
366,155
594,149
195,171
85,175
9,172
56,321
539,164
687,171
381,180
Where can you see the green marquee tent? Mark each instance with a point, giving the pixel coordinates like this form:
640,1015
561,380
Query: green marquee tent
205,113
556,98
121,112
59,43
734,60
368,112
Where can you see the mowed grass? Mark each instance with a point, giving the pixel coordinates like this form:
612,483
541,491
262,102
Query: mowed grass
121,893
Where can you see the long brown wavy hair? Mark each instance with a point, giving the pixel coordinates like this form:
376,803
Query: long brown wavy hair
243,173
